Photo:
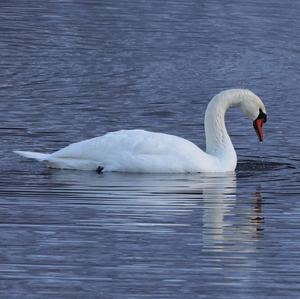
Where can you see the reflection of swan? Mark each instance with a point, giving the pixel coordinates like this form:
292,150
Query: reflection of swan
257,218
159,203
228,222
142,151
219,197
158,198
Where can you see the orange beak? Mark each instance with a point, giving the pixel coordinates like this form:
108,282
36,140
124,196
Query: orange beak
258,126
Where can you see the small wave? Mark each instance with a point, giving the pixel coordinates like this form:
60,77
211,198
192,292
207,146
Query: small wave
261,165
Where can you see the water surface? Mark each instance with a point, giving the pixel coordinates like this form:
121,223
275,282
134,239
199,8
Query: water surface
72,70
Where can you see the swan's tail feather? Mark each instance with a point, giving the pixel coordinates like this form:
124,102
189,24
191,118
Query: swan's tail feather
33,155
63,163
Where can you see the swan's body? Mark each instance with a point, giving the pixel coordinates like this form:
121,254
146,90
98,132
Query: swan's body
143,151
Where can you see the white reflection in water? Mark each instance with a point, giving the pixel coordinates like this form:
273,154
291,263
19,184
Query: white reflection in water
219,196
167,204
229,223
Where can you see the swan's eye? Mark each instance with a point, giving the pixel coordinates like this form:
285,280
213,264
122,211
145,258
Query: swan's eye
262,116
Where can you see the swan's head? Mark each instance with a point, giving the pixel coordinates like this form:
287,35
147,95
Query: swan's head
255,109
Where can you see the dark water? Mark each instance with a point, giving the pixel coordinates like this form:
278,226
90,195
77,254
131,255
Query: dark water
71,70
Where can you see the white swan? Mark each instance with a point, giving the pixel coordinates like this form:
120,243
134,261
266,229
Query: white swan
142,151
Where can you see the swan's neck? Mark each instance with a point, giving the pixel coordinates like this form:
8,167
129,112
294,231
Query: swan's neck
218,142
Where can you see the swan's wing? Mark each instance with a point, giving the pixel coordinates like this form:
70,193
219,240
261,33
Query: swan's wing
133,141
137,150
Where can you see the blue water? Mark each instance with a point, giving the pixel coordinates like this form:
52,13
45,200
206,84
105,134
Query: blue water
75,69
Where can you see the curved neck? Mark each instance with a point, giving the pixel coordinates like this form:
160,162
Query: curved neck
218,142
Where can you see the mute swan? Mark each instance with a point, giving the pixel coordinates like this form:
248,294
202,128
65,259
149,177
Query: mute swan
143,151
